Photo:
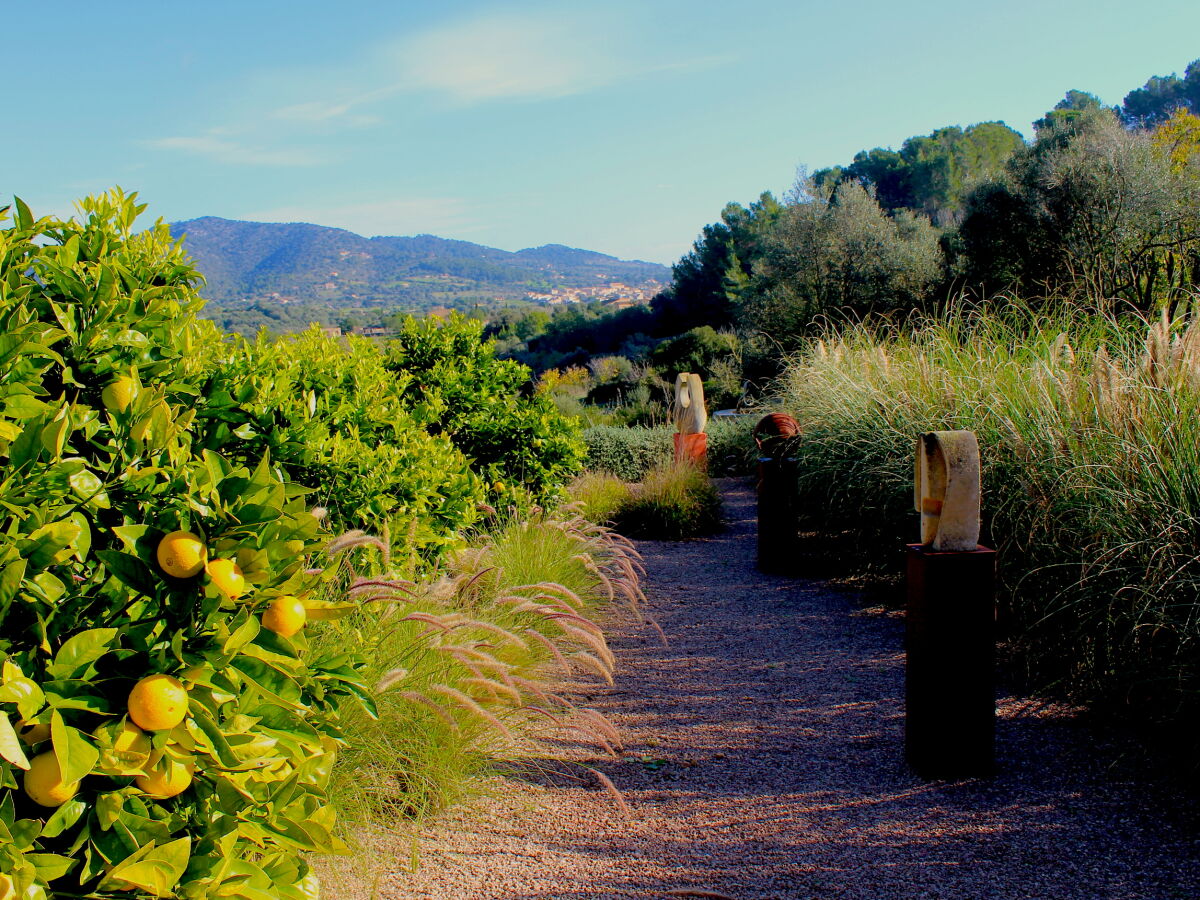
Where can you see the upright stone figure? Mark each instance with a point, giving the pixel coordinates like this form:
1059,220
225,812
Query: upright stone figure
947,490
691,418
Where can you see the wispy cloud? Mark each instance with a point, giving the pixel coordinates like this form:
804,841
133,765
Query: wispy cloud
404,215
317,112
233,153
523,56
512,56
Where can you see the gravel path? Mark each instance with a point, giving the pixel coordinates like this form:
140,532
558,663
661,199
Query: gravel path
764,759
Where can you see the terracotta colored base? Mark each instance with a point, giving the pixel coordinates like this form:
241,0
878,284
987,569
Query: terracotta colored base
692,447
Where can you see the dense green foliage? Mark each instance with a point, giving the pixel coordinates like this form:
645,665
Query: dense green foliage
99,461
455,386
833,256
332,415
124,418
929,174
1091,210
1158,100
1088,432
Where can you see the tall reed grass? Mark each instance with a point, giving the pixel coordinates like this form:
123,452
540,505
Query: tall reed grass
1089,428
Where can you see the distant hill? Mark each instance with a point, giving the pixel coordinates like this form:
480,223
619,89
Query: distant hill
260,263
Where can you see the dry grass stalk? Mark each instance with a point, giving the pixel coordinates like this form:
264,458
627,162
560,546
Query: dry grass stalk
473,706
611,789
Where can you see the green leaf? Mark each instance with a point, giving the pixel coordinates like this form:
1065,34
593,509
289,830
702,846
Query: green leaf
50,544
108,809
10,744
54,436
75,753
24,217
76,694
50,865
215,736
75,657
10,583
25,693
129,570
24,406
141,540
88,487
64,817
28,445
48,586
155,870
242,635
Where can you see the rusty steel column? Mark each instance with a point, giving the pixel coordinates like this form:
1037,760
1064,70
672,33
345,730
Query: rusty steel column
949,690
778,542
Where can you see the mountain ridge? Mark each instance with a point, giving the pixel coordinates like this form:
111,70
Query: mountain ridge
303,262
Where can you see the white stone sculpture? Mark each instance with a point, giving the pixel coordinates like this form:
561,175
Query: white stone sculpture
690,414
947,490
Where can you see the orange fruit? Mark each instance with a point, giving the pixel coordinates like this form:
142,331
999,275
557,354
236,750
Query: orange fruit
117,396
285,616
169,779
227,576
181,554
158,703
132,740
8,890
35,734
44,783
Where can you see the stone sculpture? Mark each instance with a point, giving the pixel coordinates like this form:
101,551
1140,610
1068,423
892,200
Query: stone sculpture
690,415
947,490
691,418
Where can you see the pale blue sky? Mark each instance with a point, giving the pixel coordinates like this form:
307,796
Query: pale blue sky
619,126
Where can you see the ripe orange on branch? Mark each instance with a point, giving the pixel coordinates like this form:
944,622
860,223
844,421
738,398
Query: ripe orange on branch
158,703
169,779
44,782
228,578
285,616
118,394
181,554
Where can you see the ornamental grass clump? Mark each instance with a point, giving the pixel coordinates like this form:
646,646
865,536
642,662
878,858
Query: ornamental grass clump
465,667
600,496
673,502
1089,427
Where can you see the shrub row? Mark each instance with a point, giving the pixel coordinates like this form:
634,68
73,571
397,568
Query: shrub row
630,453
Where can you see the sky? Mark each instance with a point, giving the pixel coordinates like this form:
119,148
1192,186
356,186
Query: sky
623,126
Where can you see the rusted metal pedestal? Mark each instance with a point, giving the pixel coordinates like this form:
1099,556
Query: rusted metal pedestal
950,699
692,448
778,543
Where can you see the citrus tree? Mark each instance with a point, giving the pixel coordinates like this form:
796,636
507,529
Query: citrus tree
330,413
454,384
165,729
